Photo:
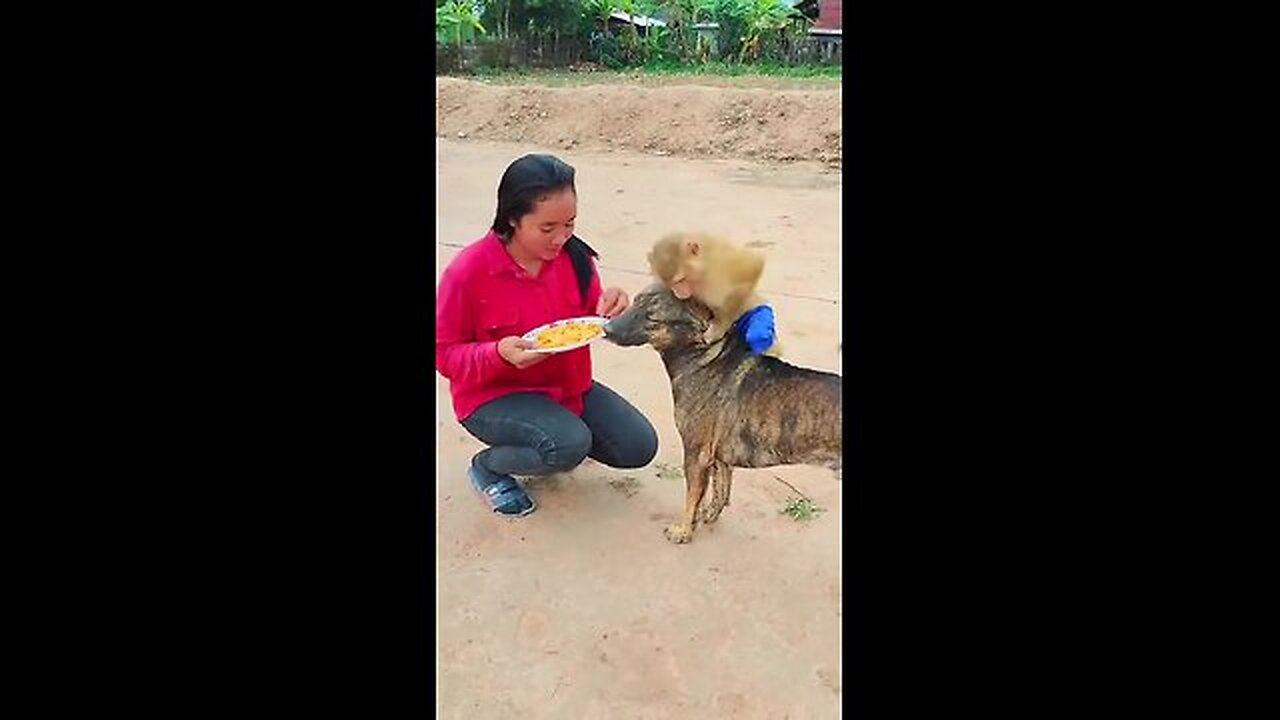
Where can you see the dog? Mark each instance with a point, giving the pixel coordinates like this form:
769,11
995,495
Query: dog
737,410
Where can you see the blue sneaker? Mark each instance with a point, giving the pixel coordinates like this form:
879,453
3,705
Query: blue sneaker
503,493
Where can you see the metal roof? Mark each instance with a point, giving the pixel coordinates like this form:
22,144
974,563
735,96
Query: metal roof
639,20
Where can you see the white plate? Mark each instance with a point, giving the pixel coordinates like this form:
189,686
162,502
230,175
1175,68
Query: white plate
532,335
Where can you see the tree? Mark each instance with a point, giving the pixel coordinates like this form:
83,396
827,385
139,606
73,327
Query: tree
553,19
599,11
681,16
633,33
457,20
761,17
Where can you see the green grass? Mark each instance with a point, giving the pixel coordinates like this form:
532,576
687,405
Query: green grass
658,69
735,69
801,509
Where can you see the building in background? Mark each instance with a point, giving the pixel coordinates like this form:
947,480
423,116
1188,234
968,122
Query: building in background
827,30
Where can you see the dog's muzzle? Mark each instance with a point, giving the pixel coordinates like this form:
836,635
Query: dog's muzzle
621,330
610,330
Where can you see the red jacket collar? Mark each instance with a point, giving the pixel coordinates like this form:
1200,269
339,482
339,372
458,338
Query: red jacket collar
496,256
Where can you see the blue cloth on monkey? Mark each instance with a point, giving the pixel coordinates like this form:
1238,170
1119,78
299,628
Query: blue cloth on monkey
757,328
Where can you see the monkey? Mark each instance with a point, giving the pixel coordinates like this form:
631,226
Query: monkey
718,273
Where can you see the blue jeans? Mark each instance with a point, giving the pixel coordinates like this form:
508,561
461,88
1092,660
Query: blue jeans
531,434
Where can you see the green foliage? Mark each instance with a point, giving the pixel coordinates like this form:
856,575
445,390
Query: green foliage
456,21
659,45
548,17
801,509
598,11
763,18
764,67
750,31
746,26
560,77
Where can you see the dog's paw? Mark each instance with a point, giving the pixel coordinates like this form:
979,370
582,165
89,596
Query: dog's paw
678,534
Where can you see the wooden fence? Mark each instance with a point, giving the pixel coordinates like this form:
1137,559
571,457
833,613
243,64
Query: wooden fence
548,52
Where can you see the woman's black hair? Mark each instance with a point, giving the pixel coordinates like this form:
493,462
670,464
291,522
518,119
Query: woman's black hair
523,184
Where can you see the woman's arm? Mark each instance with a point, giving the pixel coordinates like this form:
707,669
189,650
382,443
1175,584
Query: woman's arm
458,356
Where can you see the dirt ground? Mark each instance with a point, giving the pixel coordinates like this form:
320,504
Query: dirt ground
583,609
665,117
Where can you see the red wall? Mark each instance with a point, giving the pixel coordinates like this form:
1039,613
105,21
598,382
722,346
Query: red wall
828,15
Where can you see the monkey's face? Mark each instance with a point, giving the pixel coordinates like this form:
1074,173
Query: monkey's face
665,264
658,318
663,260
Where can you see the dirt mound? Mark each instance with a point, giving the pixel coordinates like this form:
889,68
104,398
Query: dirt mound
686,120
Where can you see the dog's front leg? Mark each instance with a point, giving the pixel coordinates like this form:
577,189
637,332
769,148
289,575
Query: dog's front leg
696,468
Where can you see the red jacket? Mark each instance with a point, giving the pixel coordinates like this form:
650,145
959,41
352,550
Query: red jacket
485,296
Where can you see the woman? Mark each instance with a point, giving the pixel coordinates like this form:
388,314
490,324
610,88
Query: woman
540,413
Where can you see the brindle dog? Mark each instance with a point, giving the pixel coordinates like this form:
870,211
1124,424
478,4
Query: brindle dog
736,409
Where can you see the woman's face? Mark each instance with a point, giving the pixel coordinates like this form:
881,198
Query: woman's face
544,231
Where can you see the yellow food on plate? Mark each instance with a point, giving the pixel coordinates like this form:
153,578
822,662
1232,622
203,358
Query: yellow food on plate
567,334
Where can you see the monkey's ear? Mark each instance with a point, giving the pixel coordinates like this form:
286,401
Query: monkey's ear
694,247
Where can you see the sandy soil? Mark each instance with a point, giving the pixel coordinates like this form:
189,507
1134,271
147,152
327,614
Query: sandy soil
664,119
583,609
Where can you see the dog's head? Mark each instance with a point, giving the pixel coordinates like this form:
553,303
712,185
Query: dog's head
657,317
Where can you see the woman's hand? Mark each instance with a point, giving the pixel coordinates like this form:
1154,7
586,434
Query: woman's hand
515,350
612,303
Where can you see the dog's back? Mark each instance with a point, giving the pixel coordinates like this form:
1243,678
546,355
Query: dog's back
759,411
792,415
